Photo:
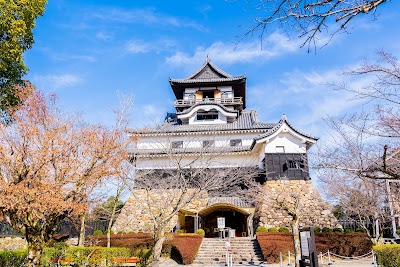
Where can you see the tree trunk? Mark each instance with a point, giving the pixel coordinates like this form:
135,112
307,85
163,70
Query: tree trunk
296,240
111,221
159,239
34,251
81,242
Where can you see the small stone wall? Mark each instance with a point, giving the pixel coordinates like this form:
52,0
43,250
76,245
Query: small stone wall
136,214
285,194
12,243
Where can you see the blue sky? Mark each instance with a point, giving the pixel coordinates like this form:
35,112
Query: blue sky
85,51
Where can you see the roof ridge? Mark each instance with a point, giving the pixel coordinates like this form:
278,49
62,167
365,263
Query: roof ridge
213,66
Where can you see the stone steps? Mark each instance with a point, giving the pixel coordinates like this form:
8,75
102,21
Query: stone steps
243,251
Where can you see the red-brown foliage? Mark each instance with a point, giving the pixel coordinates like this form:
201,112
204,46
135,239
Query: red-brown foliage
183,246
346,244
272,243
132,241
186,245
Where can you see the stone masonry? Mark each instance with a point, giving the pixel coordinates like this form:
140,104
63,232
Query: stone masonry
136,216
278,194
281,194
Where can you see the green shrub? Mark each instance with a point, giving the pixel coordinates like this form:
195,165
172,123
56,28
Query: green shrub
272,229
201,232
179,231
261,229
360,230
337,230
398,231
97,232
283,229
348,230
317,229
388,255
326,230
14,258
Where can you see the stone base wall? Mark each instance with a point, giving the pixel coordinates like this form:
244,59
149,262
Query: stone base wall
143,205
299,196
136,216
12,243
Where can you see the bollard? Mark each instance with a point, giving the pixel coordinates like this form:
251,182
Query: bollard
280,258
322,262
329,258
288,264
374,263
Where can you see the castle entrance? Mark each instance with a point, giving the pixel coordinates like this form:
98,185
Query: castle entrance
222,219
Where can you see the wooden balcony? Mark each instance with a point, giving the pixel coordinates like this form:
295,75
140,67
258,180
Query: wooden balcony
234,101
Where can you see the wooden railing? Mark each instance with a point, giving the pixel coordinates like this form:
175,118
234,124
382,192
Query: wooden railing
223,101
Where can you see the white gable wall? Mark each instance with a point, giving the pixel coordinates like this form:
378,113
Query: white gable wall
288,141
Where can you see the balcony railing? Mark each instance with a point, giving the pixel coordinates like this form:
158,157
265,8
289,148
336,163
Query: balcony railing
224,101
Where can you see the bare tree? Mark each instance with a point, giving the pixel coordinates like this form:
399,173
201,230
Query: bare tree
180,181
367,144
49,164
363,201
310,18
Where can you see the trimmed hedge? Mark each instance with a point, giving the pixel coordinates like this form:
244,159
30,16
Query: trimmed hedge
184,247
76,255
346,244
261,229
388,255
14,258
181,247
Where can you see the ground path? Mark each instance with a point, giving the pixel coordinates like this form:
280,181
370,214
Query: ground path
360,263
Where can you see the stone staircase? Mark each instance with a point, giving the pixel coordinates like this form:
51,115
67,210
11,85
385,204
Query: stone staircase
245,251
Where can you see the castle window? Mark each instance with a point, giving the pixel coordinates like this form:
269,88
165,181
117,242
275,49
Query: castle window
212,115
208,143
236,142
177,144
295,164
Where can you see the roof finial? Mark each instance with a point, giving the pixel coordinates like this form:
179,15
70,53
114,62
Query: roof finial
208,57
284,118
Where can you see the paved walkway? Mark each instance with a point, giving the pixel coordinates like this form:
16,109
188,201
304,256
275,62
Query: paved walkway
360,263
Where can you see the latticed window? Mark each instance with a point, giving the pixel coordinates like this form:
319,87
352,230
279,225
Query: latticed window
213,115
236,142
177,144
295,164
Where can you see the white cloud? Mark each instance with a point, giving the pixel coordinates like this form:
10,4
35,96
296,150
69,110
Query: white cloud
137,47
103,36
55,82
276,45
144,16
141,47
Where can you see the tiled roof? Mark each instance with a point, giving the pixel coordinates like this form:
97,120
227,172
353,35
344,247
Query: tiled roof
248,120
277,126
236,201
208,72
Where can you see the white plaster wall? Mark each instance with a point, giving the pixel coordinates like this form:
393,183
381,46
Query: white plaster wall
289,142
213,161
196,140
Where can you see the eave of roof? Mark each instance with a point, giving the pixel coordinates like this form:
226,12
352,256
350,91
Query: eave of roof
277,127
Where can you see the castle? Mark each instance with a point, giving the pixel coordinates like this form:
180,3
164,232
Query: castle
211,118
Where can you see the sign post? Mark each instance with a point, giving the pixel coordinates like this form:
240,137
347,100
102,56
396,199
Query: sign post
309,255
